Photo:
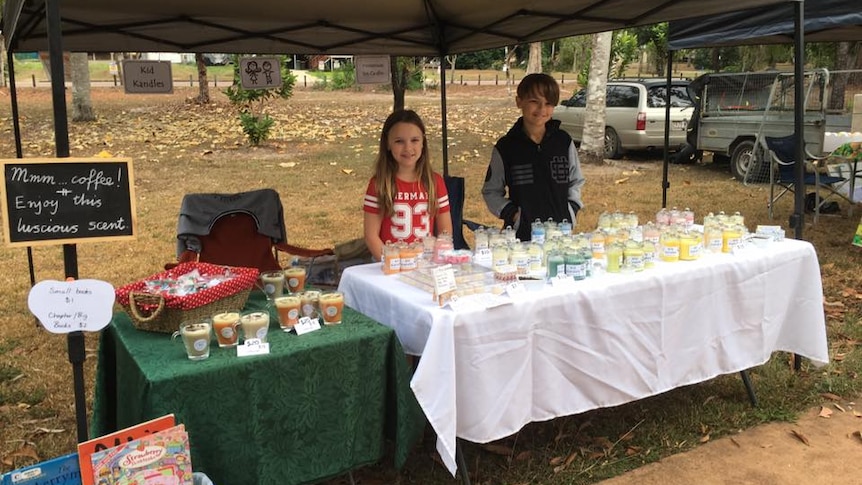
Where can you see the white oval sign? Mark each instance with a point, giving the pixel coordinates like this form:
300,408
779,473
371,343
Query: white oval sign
71,306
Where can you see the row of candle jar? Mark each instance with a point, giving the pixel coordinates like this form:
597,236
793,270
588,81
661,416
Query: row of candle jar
400,256
539,232
609,248
617,220
273,282
674,216
723,219
196,334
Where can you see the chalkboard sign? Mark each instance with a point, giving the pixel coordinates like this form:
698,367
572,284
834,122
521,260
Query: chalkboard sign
67,200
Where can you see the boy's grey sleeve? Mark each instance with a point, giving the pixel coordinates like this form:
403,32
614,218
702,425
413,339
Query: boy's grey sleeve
576,177
494,188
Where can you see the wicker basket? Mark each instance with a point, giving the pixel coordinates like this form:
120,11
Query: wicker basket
159,313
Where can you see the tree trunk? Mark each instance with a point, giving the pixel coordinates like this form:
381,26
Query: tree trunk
203,83
82,105
839,81
534,62
451,60
593,143
399,83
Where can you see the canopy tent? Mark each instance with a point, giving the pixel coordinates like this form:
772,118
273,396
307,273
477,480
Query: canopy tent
394,27
397,27
825,21
813,21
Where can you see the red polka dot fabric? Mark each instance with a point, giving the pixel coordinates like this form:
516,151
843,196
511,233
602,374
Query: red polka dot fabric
237,279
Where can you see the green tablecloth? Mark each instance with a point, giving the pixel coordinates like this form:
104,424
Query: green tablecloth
317,406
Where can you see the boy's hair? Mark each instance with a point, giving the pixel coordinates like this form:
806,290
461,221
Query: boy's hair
386,166
542,85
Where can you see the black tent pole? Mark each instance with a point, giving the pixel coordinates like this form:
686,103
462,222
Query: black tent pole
75,340
665,184
444,121
797,220
13,96
19,151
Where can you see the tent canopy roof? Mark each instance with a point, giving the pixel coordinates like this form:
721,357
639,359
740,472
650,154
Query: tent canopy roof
825,21
397,27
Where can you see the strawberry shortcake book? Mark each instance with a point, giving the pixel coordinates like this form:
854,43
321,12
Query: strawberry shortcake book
162,458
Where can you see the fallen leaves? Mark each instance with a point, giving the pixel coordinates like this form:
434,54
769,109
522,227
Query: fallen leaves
621,181
801,437
347,171
825,412
25,451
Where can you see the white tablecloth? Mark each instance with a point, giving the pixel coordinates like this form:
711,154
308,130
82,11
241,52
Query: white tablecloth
608,340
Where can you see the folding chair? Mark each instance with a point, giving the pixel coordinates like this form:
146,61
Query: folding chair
243,229
782,152
455,187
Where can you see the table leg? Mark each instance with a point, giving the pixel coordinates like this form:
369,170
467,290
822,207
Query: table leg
462,462
748,388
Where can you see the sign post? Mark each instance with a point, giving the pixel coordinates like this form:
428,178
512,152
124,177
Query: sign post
73,307
63,201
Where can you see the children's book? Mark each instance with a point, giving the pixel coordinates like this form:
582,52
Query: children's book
63,470
162,458
87,448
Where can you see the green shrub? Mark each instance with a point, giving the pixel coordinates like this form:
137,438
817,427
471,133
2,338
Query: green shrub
256,128
255,124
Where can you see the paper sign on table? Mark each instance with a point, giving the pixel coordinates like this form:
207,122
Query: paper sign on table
252,346
71,306
444,279
515,288
306,325
482,257
562,280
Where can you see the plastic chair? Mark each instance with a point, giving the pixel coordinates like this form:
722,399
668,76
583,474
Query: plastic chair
242,229
783,155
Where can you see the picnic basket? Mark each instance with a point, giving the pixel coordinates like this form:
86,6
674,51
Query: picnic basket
161,312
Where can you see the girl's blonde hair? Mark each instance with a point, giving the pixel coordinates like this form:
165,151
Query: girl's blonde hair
386,166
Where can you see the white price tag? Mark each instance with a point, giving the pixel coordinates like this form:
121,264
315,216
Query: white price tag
482,257
515,288
444,279
306,325
252,346
562,280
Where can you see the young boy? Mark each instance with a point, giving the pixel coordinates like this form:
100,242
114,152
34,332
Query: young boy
536,161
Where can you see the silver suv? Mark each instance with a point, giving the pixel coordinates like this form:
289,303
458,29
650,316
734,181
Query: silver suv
634,118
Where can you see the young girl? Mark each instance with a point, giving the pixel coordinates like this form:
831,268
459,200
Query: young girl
405,199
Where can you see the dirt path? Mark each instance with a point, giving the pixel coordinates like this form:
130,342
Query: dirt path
770,454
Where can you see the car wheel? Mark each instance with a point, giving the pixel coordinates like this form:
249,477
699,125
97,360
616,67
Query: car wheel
744,159
612,144
741,159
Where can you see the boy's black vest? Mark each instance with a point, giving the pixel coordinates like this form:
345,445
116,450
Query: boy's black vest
537,175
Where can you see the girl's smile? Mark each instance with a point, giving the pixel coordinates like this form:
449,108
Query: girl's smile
405,145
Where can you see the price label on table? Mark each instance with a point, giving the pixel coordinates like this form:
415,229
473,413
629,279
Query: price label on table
71,306
515,288
562,280
306,325
444,279
252,346
482,257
